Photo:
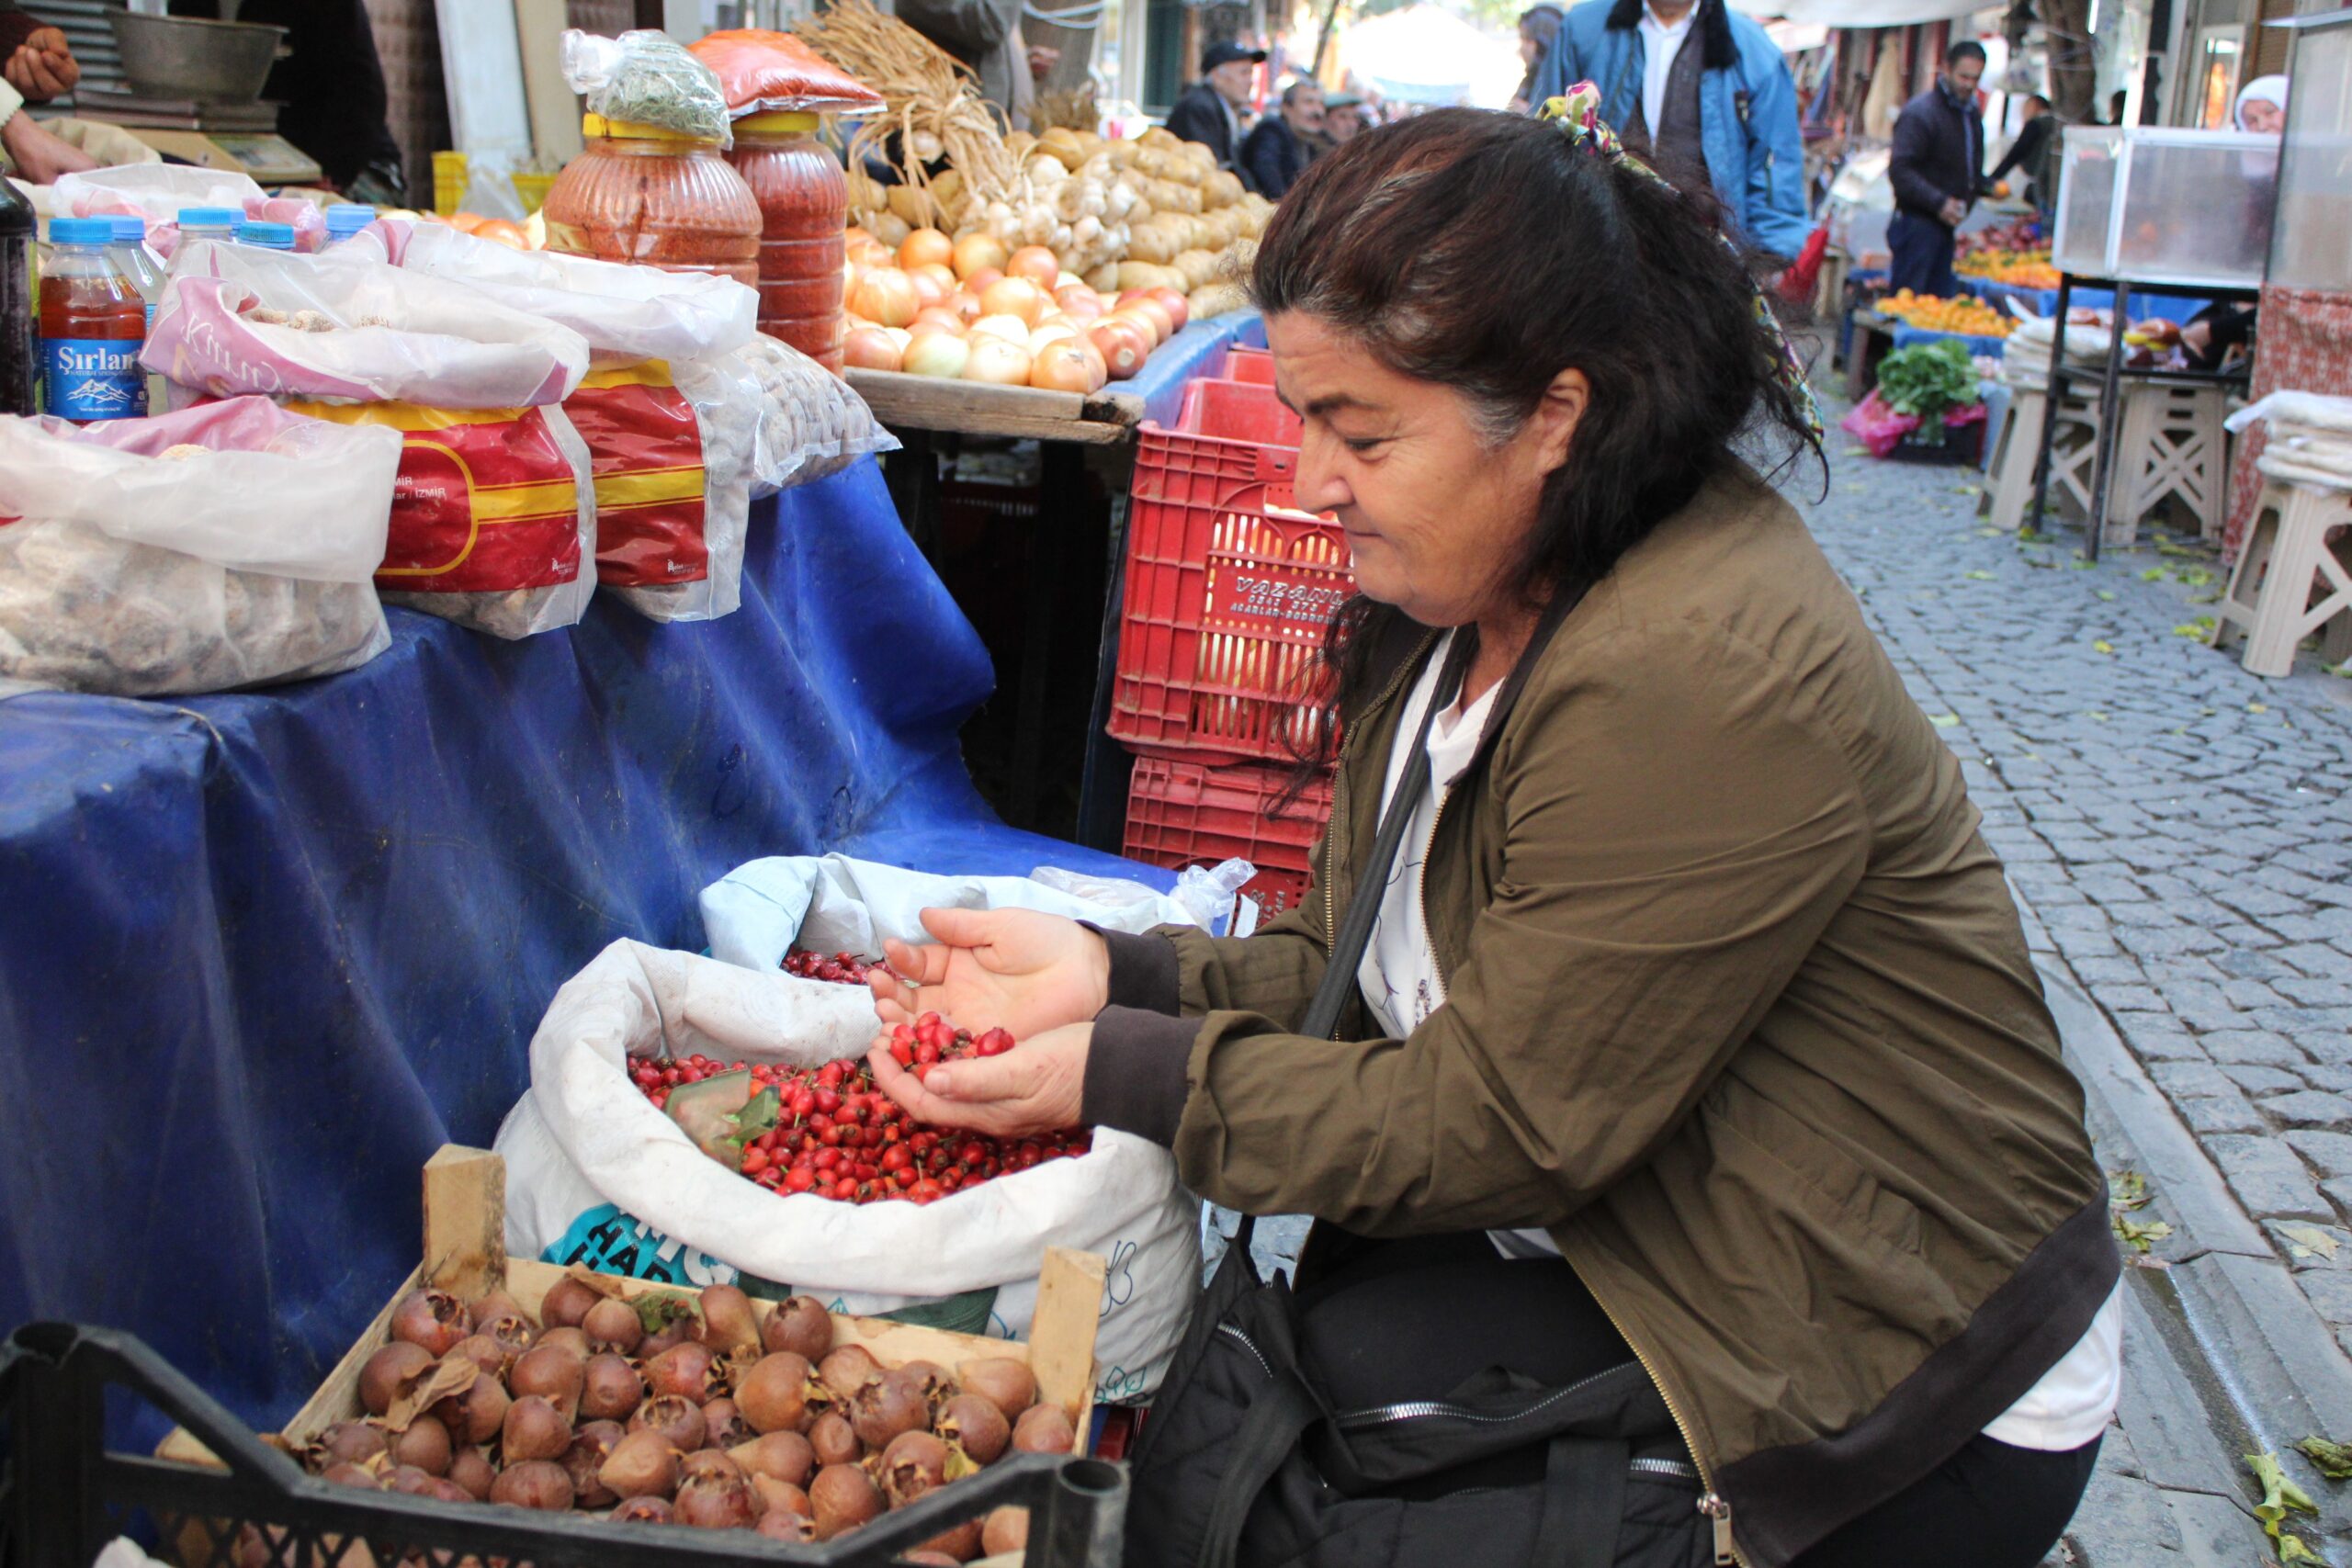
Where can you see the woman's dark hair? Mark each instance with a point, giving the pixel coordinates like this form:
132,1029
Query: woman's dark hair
1489,252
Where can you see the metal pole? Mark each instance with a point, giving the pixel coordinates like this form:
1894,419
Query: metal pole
1083,1519
2110,396
2053,393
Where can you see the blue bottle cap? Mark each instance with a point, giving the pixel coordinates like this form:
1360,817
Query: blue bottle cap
129,230
349,218
268,236
210,217
80,231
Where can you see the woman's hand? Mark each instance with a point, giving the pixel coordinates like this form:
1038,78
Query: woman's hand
43,66
1036,1087
1013,969
40,156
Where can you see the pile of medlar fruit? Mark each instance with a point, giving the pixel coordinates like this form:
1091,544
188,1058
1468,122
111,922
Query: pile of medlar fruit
666,1409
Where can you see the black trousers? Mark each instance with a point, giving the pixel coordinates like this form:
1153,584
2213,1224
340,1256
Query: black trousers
1920,253
1390,1323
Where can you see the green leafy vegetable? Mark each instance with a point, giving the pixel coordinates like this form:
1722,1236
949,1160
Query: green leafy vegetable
1929,380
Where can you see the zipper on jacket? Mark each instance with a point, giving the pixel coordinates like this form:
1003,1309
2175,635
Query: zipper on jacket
1244,1340
1711,1501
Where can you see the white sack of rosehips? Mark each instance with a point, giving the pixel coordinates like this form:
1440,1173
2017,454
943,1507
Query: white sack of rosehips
588,1147
759,911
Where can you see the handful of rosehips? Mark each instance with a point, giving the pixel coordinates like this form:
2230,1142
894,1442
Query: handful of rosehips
829,1132
666,1408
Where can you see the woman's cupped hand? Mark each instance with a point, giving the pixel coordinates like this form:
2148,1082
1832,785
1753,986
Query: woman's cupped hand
1040,978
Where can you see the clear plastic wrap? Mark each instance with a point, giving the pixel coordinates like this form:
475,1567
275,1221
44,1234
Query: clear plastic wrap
646,78
811,424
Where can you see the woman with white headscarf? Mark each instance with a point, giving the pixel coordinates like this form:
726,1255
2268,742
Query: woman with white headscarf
2208,337
2262,105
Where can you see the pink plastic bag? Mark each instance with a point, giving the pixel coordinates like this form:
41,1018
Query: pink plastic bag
1878,427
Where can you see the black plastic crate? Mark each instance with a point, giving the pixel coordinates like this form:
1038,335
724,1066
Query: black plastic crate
63,1494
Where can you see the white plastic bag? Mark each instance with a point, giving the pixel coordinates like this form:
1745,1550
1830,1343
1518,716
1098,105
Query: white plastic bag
760,911
493,522
595,1173
812,424
626,313
224,546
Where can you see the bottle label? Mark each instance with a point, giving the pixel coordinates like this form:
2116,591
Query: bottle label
91,377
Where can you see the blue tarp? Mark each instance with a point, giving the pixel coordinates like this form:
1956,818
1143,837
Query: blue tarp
1198,350
261,954
1905,335
2044,301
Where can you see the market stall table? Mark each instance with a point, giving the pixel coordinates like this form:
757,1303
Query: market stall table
264,953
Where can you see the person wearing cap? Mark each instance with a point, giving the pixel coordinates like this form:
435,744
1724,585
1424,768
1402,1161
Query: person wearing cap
1282,144
1342,118
1210,110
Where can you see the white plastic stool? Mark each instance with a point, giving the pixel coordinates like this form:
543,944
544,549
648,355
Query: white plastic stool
2293,577
2072,449
2171,443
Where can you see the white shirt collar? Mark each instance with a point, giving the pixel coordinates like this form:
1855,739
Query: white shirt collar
1675,30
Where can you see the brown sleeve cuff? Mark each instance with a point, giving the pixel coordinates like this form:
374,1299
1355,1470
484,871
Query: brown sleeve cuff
1143,970
1135,1072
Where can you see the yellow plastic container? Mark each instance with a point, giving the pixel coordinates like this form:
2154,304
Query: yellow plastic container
533,189
448,182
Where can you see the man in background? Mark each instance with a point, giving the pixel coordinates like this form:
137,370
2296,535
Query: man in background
1342,118
1282,146
1705,95
1210,110
2029,154
1937,170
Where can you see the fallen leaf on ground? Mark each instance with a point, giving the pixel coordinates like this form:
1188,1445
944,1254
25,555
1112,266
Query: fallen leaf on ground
2127,1189
2140,1235
2281,1495
2201,626
2102,646
2333,1460
2257,707
1980,577
2155,574
2107,594
2311,1238
1943,720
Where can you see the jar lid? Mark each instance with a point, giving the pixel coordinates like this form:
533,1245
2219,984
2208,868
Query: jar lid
777,119
80,231
636,131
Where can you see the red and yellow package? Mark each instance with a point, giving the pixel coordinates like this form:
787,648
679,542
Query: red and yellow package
645,446
487,500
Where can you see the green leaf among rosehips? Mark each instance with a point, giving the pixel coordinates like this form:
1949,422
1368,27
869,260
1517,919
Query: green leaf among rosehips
827,1131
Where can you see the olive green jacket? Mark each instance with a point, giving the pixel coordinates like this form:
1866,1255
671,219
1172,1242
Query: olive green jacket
1737,1007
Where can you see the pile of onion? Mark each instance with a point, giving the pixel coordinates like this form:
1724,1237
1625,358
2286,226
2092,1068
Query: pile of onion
968,310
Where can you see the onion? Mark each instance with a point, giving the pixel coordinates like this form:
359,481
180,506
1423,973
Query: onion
1060,333
886,296
1011,329
940,316
1014,297
980,281
943,355
1061,367
966,308
975,251
1083,309
1095,363
870,349
928,290
1036,264
1178,309
944,277
995,360
1162,324
924,247
1117,339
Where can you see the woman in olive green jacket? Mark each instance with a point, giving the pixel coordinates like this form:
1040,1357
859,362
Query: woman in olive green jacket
1696,970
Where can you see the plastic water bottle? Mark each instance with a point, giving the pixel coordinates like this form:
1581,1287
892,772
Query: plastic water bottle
209,223
267,236
93,324
131,253
346,219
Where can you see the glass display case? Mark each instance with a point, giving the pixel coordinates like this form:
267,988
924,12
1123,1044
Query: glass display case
2149,204
2311,245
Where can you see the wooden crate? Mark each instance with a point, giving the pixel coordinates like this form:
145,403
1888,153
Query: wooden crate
465,1254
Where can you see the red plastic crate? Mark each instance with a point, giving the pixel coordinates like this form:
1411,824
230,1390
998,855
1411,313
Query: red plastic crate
1227,591
1181,814
1249,365
1238,411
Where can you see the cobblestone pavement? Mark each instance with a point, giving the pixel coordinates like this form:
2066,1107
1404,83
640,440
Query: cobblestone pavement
2181,827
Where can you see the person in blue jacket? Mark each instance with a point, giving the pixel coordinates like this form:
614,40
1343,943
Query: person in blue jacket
1705,93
